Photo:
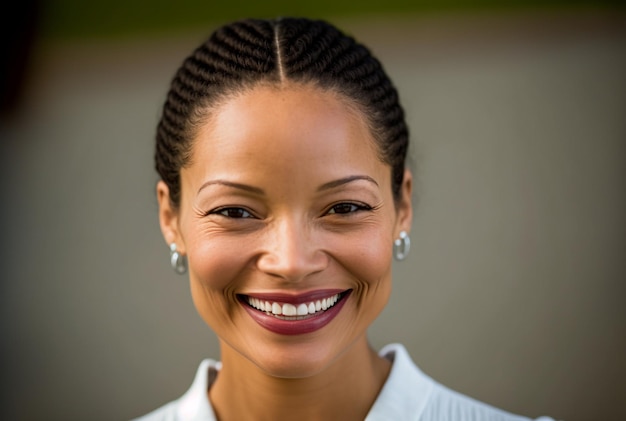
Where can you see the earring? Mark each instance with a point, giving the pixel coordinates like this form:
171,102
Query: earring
177,260
401,246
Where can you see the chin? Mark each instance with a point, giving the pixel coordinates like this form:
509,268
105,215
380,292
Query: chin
293,362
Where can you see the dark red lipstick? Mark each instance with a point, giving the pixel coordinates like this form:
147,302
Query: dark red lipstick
295,314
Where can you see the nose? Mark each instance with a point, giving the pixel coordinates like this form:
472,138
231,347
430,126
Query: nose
292,252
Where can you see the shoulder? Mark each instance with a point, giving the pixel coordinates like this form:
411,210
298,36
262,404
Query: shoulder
194,405
448,405
409,394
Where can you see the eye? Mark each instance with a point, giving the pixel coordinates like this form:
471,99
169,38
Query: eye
233,212
345,208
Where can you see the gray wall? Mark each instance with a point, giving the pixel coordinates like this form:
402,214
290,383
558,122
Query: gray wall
514,292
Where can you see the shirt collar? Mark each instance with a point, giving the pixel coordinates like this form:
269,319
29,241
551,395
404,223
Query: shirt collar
194,405
406,390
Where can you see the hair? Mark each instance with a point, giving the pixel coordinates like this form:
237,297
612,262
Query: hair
245,53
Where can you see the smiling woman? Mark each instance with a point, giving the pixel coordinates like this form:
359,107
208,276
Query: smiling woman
286,202
284,193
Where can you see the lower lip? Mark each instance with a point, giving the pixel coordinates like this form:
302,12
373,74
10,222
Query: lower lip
296,327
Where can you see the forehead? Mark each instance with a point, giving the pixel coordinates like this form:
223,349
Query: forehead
294,111
290,130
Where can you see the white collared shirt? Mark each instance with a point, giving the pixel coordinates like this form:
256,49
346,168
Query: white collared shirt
407,395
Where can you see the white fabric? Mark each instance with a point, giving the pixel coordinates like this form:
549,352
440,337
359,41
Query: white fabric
407,395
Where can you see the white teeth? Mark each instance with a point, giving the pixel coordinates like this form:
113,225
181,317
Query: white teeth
302,310
290,310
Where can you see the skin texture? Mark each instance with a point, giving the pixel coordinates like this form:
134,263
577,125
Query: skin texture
285,192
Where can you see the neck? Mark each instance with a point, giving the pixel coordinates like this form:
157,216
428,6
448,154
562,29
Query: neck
345,390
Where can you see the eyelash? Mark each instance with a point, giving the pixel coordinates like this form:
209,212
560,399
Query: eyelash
354,207
226,210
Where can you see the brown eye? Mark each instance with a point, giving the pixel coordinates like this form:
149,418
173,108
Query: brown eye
233,213
344,208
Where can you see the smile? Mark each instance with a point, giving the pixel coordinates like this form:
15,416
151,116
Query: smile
287,311
292,315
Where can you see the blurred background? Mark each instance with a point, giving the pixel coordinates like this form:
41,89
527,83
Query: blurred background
515,289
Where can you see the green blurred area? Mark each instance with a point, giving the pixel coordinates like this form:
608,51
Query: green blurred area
120,18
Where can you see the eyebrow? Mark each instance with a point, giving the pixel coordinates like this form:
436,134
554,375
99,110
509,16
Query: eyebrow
240,186
326,186
346,180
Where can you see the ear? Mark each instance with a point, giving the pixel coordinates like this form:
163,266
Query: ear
169,217
404,206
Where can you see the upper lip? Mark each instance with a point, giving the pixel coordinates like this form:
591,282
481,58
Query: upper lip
294,297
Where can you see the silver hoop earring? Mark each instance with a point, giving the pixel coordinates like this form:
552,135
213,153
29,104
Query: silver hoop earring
177,260
401,246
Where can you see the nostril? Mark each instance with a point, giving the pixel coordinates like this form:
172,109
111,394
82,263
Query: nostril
294,264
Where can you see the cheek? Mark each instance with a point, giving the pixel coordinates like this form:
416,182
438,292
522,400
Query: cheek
369,262
214,267
216,262
368,258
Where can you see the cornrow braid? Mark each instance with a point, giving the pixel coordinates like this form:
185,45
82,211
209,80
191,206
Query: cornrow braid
235,56
315,51
239,55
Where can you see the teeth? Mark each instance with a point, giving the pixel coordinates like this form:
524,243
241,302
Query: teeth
290,310
277,309
302,310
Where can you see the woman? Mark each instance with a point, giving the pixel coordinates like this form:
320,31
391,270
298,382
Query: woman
284,193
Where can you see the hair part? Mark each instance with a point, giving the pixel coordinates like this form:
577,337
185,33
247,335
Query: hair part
243,54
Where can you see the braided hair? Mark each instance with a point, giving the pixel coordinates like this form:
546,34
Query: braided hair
244,53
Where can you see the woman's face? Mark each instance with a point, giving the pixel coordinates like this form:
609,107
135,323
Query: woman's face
287,219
